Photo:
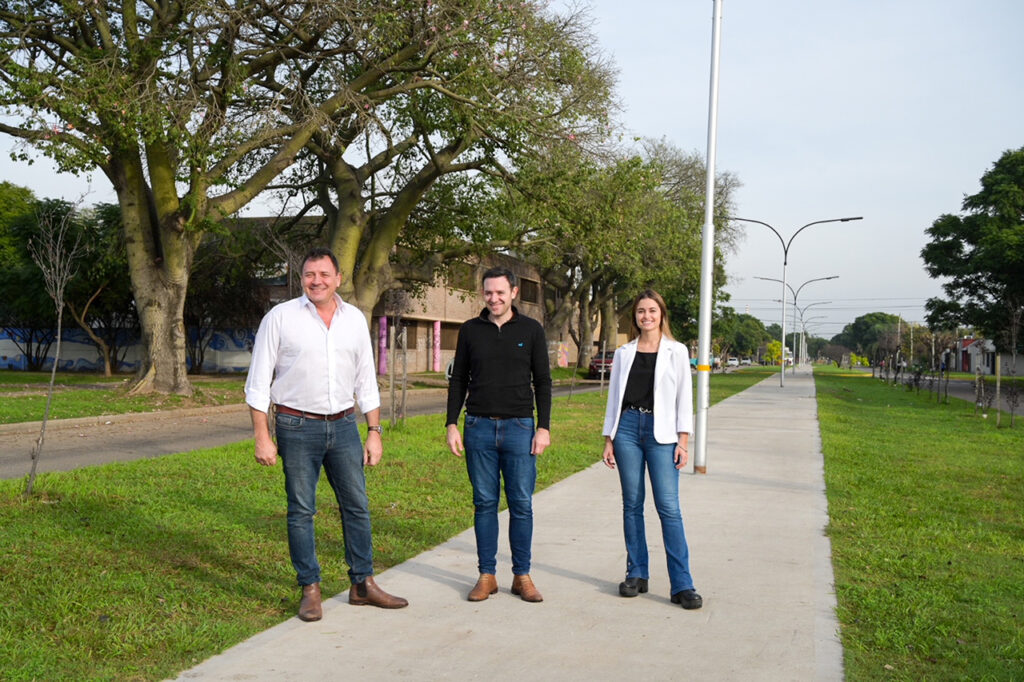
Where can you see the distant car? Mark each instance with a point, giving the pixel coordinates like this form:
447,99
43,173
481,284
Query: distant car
600,362
745,361
732,362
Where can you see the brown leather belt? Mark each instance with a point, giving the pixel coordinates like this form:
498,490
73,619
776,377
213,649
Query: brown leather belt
312,415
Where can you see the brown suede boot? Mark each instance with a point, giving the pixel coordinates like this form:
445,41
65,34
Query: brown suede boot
484,588
367,593
309,607
524,587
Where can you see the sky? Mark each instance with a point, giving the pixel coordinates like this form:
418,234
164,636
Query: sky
827,109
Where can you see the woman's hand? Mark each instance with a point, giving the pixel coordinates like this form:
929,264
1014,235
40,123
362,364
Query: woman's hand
609,454
682,454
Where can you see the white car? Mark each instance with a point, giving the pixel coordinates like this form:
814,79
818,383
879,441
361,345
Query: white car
732,362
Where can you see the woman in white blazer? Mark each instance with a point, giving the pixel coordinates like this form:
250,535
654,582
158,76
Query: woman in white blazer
647,425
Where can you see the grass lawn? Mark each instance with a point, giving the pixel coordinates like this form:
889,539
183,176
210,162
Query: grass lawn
139,570
90,395
926,507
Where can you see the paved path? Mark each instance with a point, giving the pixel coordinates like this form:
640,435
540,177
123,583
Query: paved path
755,524
88,441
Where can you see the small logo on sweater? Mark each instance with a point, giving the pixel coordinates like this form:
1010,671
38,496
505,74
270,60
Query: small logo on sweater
520,344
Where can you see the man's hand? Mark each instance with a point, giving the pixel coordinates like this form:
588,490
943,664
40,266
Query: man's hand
266,451
541,439
455,440
374,448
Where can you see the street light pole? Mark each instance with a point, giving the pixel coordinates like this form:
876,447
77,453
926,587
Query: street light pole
707,260
785,260
796,294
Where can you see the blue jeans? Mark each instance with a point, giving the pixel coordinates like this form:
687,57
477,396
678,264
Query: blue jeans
635,450
306,445
496,449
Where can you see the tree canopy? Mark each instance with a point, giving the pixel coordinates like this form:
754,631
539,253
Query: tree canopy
865,334
980,254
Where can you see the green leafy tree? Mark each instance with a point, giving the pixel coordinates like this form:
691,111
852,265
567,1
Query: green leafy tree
225,293
27,314
980,254
490,83
192,108
100,297
870,334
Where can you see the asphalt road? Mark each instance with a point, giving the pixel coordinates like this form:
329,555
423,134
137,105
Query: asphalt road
74,443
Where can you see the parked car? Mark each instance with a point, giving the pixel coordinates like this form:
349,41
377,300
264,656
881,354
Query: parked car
732,362
745,361
600,362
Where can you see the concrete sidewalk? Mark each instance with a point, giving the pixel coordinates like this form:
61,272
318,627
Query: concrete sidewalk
755,524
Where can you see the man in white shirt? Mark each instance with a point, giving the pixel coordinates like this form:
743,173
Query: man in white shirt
311,361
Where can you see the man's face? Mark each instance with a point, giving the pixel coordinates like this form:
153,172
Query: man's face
320,280
498,295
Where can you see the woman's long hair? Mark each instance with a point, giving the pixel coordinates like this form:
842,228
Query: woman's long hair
666,329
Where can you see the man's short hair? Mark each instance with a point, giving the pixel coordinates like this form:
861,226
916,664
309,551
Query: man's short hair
491,273
318,252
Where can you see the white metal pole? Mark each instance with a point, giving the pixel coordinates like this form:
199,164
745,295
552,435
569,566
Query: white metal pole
782,362
707,258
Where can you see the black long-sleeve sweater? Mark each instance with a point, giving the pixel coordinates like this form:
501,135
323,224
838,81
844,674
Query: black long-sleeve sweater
504,369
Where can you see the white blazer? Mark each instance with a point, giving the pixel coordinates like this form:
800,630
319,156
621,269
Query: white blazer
673,390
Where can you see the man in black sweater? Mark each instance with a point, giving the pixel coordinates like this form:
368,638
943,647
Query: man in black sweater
501,359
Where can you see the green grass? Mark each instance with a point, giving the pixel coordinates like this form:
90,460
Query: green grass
137,571
926,507
78,395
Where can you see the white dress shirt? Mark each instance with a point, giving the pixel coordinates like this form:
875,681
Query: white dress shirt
301,363
673,390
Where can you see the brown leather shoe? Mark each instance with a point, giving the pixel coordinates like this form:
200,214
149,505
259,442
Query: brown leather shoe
367,592
309,607
524,587
484,588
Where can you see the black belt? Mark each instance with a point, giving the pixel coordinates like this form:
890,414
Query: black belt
644,410
312,415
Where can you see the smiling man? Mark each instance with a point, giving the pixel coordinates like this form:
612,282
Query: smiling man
501,361
312,355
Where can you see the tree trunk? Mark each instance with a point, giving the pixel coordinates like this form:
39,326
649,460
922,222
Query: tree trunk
102,345
586,330
159,257
609,323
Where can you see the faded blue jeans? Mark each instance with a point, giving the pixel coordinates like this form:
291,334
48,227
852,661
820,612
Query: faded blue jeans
306,445
635,451
499,449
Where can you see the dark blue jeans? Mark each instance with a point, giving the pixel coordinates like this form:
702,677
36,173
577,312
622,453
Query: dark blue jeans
500,449
635,451
306,446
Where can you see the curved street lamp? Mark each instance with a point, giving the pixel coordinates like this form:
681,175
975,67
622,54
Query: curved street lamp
785,260
796,295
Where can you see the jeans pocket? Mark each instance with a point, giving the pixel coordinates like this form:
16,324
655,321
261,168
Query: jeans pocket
288,422
525,423
470,420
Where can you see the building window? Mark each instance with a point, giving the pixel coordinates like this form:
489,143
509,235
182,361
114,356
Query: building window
411,334
529,291
449,335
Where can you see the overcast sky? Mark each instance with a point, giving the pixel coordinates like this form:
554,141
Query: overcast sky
828,108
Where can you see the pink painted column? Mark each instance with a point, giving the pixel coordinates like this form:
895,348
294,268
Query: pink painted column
382,345
437,345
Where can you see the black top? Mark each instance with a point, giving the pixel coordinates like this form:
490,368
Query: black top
504,369
640,384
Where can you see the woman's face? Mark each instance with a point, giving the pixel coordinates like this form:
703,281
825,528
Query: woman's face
648,315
